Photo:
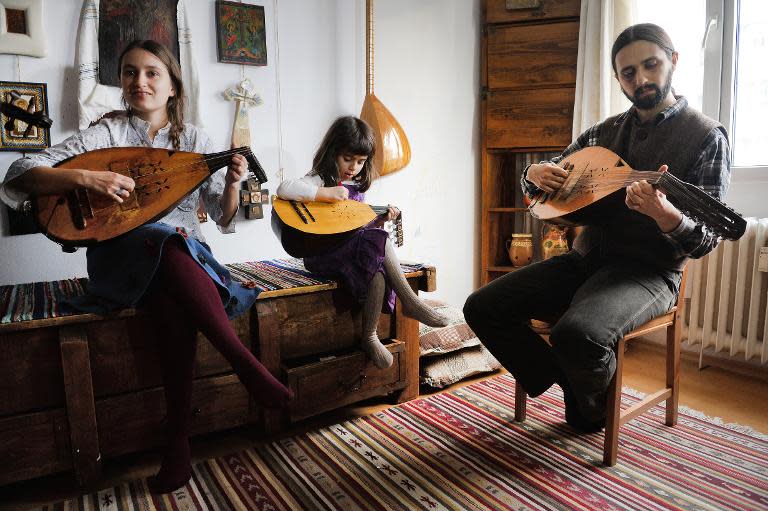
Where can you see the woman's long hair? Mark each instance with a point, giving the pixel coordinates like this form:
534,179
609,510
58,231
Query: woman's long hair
176,103
347,135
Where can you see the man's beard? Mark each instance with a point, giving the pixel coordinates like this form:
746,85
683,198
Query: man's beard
652,101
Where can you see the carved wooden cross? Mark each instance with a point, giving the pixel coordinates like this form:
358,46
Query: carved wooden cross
251,195
244,98
252,198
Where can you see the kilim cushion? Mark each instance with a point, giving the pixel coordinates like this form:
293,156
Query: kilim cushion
438,341
455,366
453,352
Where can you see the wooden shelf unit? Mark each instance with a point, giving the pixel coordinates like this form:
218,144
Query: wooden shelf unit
528,77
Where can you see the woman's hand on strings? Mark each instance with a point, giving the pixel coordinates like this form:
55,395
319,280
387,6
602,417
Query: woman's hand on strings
115,186
332,193
644,198
236,171
547,176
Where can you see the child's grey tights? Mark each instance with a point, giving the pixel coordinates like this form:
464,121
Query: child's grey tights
412,306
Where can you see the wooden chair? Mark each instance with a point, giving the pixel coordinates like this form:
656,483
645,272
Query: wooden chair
615,416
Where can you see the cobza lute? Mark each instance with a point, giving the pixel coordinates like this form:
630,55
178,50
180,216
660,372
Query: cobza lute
163,179
311,228
596,172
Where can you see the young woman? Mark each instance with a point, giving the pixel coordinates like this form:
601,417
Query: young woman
366,265
165,266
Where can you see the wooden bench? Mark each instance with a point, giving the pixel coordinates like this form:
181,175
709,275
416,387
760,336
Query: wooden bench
82,388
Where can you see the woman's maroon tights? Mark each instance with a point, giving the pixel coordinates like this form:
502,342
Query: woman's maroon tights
183,300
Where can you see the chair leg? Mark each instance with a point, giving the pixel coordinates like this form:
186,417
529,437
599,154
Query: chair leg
673,371
613,410
521,399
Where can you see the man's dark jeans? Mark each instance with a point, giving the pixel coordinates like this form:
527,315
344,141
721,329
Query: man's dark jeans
597,303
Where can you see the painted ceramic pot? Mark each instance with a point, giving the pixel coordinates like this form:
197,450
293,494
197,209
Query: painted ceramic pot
554,241
520,249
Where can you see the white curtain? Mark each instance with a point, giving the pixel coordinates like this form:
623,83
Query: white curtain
598,95
95,99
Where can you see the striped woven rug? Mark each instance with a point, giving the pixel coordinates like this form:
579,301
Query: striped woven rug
461,450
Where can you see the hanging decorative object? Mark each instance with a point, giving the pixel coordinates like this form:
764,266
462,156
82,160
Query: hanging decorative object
22,30
252,197
244,98
122,21
241,36
24,123
393,152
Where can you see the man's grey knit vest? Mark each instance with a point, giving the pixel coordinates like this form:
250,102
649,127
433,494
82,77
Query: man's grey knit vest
628,235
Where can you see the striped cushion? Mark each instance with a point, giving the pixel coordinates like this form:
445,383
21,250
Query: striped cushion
38,300
42,300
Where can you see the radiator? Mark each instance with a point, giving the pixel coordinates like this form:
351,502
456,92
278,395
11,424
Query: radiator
726,310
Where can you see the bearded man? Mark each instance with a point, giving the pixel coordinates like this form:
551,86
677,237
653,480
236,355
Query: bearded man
626,266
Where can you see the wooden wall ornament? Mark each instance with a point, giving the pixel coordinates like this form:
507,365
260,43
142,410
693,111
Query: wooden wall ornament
244,98
24,123
21,28
24,126
393,152
253,198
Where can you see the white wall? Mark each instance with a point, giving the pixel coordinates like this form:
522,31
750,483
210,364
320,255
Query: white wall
427,68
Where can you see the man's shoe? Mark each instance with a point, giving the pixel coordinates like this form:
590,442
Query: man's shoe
573,416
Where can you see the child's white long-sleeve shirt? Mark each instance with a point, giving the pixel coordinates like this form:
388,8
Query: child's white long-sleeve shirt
303,189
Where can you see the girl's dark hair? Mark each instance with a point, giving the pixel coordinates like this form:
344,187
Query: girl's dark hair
347,135
175,106
642,32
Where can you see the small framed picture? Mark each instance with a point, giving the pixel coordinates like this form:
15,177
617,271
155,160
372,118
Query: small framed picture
265,196
252,184
22,31
30,101
253,211
240,33
245,197
255,197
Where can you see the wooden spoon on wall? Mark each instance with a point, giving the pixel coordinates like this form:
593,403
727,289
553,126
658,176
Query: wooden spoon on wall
393,152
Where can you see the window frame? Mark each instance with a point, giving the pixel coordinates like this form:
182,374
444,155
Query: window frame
720,71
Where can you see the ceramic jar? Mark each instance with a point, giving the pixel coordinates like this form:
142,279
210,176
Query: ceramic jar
554,240
520,249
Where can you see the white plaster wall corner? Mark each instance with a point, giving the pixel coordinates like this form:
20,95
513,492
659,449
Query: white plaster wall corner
31,43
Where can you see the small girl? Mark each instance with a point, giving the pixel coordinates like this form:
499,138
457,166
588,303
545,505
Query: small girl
164,266
366,264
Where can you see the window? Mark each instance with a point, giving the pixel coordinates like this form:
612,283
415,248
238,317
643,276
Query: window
750,102
722,44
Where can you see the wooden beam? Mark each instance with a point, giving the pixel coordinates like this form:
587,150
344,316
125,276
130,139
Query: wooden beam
81,411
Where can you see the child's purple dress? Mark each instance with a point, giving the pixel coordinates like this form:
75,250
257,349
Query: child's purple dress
357,260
